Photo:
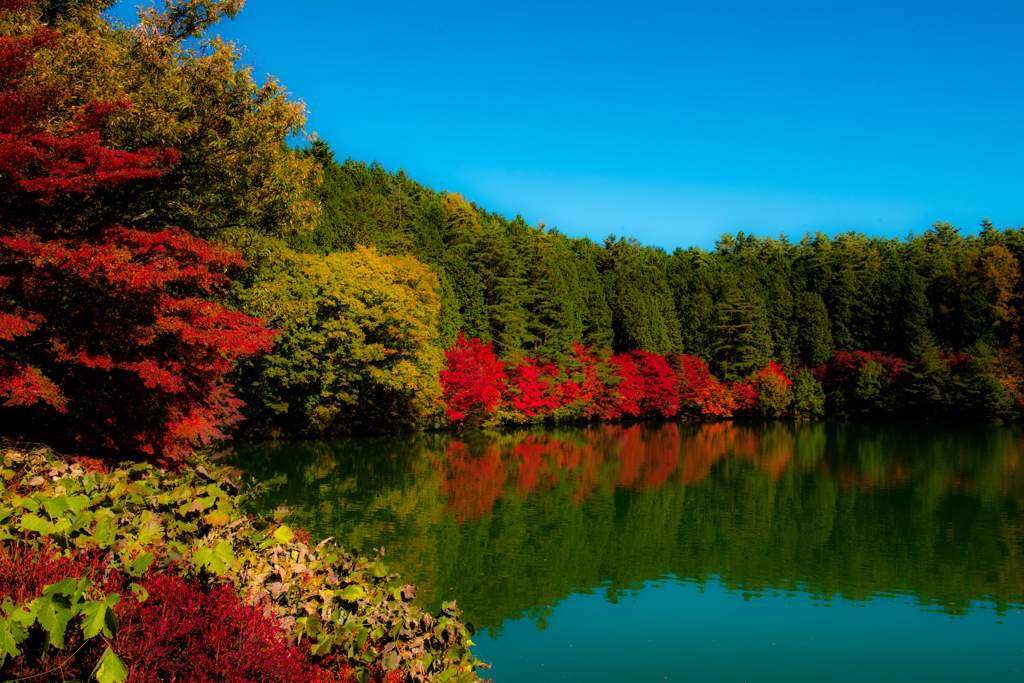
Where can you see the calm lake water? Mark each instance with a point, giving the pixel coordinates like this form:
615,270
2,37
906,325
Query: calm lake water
696,552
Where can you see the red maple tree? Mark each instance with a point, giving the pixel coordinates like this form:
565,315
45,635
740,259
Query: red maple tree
473,379
700,394
112,342
534,388
660,389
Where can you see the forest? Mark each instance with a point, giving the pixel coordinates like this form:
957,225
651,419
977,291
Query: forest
537,326
180,264
174,258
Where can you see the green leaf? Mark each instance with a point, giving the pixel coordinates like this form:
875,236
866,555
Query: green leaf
99,618
283,534
26,502
54,615
104,532
33,522
56,506
140,593
323,646
110,668
380,570
10,636
217,518
70,587
24,615
141,564
352,593
448,675
390,661
216,560
78,503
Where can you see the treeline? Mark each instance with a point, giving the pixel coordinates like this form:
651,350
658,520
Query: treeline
170,270
939,311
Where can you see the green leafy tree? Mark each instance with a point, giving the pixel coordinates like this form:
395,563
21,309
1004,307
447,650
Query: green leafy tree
358,351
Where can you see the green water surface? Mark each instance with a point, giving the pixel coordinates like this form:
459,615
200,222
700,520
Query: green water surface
698,552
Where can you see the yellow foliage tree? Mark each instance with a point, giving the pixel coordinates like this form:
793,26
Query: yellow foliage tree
186,91
359,350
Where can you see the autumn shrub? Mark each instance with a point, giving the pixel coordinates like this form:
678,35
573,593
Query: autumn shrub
700,394
660,389
473,380
774,391
744,398
194,632
534,389
116,536
26,569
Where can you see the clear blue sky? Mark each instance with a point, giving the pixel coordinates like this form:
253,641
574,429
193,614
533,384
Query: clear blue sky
672,122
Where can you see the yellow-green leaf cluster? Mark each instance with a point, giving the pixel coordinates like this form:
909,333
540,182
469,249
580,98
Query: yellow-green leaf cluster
359,349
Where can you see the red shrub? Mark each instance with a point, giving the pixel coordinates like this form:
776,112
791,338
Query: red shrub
701,394
744,397
190,633
660,389
534,389
26,569
472,379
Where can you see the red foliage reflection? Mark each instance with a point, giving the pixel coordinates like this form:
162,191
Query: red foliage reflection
635,457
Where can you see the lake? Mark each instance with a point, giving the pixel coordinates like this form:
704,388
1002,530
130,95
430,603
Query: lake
726,551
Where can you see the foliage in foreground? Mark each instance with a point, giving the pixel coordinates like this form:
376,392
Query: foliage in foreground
115,339
101,571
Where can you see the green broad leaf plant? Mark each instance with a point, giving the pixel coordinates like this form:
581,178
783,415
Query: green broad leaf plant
142,520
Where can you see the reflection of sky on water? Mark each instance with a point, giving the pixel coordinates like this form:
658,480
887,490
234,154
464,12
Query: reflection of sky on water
682,631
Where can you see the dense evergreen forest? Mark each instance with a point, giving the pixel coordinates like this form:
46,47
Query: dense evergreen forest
849,325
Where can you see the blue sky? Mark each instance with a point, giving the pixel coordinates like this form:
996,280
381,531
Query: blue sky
672,122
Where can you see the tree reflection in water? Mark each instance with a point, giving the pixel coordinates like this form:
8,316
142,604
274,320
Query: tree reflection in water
510,523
